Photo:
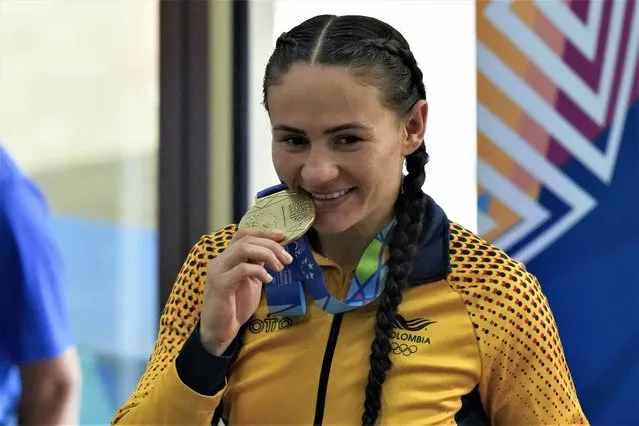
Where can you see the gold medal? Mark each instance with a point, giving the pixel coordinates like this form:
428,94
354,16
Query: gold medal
289,211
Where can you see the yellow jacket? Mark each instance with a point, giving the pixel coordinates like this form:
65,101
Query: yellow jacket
475,344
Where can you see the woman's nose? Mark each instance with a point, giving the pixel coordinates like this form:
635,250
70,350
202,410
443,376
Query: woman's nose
319,168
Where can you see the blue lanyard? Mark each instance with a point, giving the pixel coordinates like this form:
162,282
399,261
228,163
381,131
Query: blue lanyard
285,294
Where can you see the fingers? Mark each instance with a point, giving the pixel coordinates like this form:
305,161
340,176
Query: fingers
248,270
247,249
257,254
269,233
249,253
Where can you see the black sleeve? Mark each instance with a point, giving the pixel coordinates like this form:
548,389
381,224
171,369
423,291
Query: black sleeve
199,370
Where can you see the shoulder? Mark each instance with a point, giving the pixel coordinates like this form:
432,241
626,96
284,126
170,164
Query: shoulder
477,264
519,344
25,218
501,296
9,169
19,194
188,288
216,242
208,247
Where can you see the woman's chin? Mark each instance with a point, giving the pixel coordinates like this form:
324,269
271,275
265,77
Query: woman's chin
325,224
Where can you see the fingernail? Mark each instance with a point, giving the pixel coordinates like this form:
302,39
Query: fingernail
270,278
288,256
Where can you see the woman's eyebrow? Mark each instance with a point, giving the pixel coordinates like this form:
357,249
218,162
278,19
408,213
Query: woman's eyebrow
346,126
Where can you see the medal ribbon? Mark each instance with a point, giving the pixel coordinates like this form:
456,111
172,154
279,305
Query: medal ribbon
285,294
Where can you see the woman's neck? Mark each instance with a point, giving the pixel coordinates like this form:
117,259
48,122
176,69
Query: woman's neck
346,248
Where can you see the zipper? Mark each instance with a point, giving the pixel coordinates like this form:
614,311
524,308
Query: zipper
326,369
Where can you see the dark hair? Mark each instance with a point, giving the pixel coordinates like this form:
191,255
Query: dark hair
378,53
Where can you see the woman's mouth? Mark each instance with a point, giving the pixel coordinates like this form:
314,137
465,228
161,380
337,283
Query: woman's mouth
329,195
329,198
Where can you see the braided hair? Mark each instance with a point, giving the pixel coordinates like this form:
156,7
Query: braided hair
378,53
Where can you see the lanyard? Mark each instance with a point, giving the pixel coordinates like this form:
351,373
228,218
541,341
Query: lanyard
285,294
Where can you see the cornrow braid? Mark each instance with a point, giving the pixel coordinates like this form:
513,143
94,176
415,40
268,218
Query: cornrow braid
395,48
285,40
402,247
409,214
381,55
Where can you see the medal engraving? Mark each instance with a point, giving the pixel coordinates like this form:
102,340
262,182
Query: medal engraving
289,211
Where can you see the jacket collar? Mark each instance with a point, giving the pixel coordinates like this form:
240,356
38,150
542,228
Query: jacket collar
432,261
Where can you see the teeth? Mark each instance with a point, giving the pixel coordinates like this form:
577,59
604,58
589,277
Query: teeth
331,196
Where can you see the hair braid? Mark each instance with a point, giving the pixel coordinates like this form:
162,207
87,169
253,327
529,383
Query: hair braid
402,246
382,57
395,48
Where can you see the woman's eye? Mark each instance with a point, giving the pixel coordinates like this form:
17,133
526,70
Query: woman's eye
295,141
347,140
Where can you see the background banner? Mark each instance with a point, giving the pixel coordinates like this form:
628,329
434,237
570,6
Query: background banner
558,176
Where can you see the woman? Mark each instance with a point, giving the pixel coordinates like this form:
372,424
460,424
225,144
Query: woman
460,334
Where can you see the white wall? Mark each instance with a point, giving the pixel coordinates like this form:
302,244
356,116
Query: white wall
442,37
78,81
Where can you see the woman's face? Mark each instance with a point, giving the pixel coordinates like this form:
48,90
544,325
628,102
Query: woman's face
335,140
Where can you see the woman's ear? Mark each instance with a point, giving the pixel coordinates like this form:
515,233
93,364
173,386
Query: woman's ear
415,127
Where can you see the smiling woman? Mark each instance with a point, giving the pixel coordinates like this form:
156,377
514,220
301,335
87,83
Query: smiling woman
334,140
416,320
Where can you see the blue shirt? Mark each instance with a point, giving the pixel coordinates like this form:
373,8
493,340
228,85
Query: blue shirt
33,321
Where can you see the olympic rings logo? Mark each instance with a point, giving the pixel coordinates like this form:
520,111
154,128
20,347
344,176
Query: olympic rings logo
403,349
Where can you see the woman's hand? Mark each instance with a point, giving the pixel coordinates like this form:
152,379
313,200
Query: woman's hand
234,284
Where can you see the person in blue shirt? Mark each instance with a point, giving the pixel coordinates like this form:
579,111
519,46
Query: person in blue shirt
39,368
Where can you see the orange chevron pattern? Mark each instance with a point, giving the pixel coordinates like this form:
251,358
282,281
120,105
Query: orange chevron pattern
555,82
